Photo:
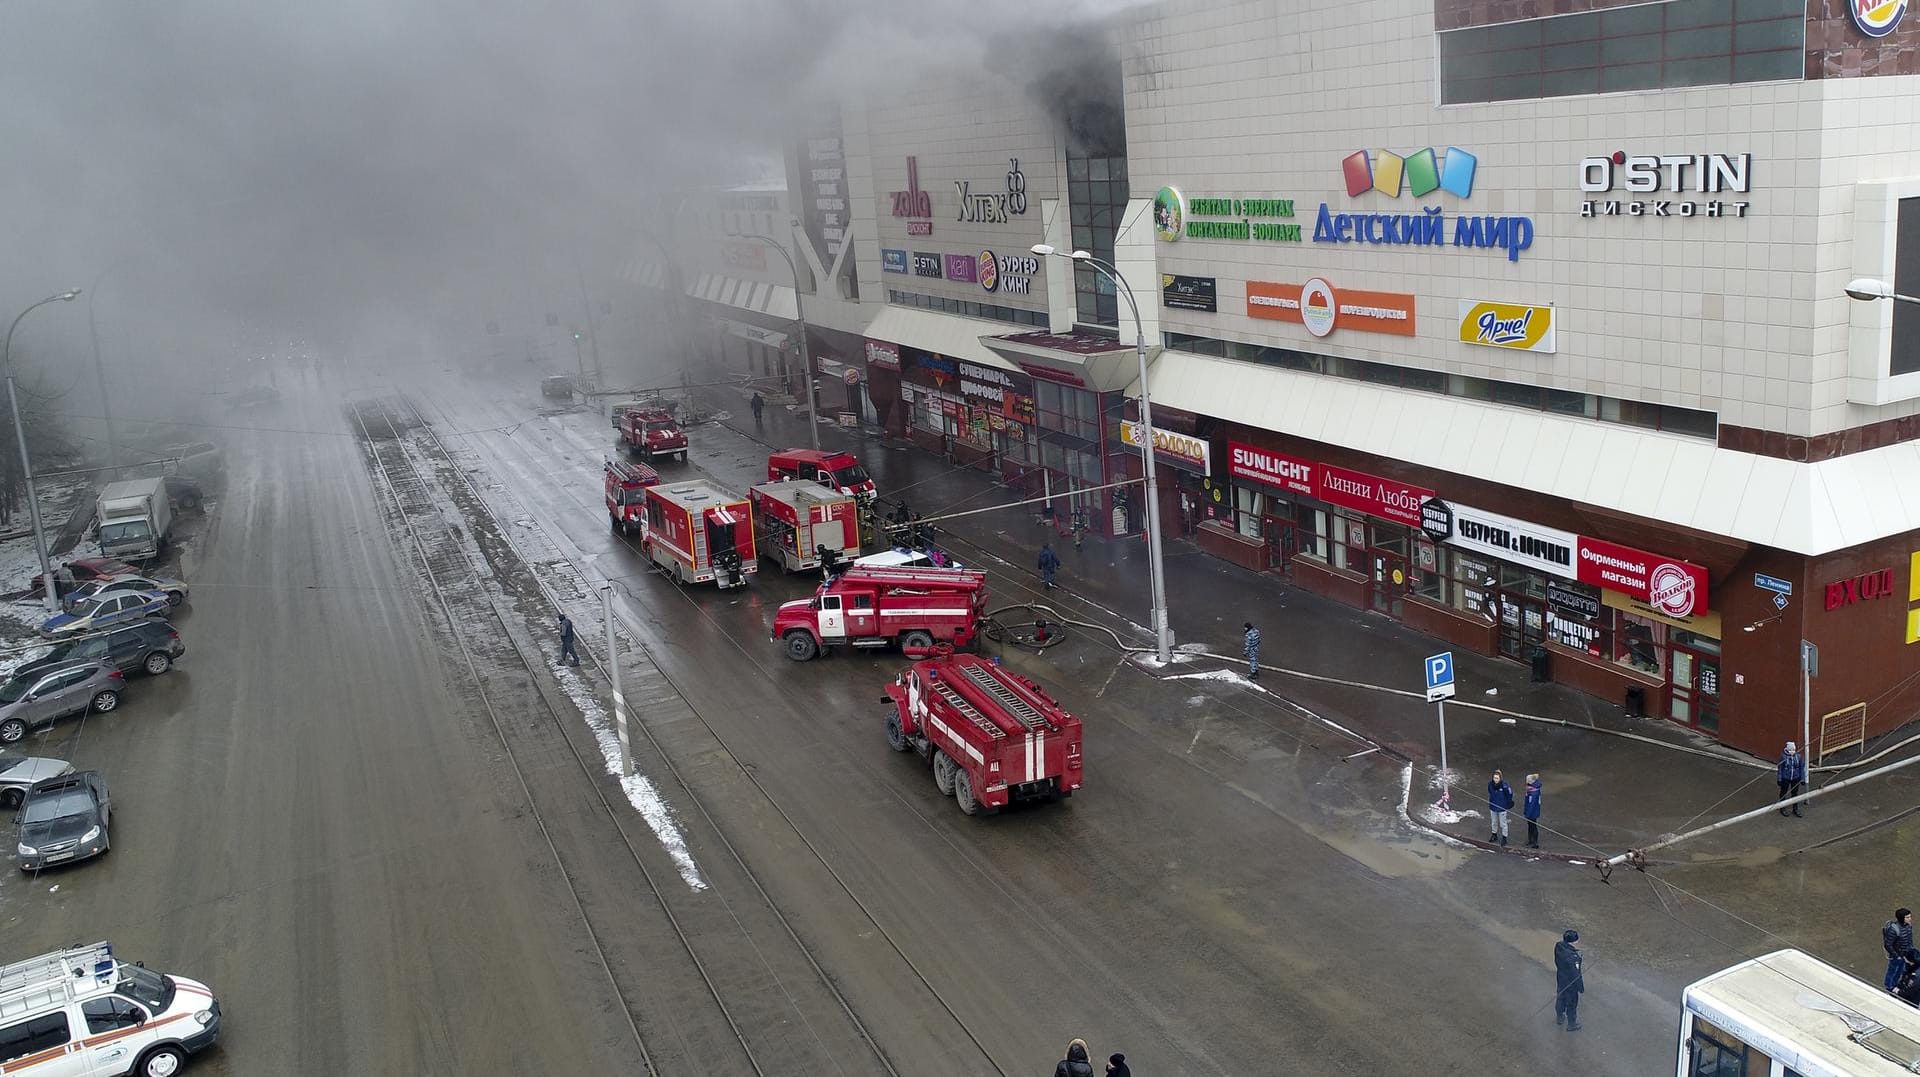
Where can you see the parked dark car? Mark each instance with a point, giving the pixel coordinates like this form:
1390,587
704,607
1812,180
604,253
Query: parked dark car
186,493
63,819
151,646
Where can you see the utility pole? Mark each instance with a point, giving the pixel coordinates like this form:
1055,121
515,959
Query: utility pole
593,336
52,595
613,674
100,375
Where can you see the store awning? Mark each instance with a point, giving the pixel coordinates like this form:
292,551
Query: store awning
952,335
773,300
1090,360
1683,481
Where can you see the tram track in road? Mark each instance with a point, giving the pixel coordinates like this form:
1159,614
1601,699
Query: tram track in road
747,772
768,1009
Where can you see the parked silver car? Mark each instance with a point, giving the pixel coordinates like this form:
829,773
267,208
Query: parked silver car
175,590
19,772
44,698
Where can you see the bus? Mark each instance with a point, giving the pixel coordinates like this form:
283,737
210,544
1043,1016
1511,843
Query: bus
1792,1015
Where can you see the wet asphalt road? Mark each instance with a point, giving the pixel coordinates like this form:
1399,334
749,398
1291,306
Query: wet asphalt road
316,816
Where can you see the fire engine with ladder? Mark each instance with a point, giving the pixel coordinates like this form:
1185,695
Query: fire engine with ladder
872,606
699,532
793,520
992,736
626,494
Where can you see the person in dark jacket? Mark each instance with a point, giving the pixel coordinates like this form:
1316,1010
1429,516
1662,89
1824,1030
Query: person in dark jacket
1570,979
1251,647
1530,807
1792,774
1499,803
1049,564
1075,1064
759,405
567,653
1897,937
1117,1066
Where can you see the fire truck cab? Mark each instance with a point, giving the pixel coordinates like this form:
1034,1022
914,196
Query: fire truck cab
651,433
699,532
873,607
793,520
837,470
626,494
993,737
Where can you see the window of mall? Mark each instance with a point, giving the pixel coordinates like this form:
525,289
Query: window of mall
1638,612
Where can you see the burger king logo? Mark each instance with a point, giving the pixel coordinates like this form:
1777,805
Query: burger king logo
989,271
1670,589
1877,18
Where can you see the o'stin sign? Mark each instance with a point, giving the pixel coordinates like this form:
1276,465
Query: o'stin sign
1877,18
1507,325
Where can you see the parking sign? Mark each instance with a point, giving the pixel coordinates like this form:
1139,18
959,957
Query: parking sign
1439,671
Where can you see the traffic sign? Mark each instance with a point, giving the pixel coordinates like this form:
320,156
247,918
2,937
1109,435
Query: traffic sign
1439,671
1772,583
1779,602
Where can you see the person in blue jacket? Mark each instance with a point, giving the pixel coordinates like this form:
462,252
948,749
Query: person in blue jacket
1499,803
1530,807
1049,564
1792,773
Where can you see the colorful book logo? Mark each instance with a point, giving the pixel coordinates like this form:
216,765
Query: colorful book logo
1421,173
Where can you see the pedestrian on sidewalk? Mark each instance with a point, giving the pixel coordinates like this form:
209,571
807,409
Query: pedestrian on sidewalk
1570,979
759,405
1252,649
1792,773
567,653
1049,564
1117,1066
1075,1064
1897,937
1530,808
1499,803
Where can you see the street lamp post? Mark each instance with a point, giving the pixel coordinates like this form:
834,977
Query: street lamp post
100,375
1156,565
806,358
1867,289
26,463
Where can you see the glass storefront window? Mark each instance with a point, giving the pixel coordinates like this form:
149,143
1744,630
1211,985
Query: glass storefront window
1474,583
1249,505
1310,531
1641,644
1429,571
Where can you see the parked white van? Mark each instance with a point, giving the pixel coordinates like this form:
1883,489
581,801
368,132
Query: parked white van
83,1012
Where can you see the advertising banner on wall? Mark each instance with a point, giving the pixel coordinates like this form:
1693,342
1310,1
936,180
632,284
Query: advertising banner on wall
1321,308
1371,494
1188,293
1185,449
1507,325
1673,587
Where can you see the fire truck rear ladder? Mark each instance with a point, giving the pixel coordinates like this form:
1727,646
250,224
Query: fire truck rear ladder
1008,700
961,706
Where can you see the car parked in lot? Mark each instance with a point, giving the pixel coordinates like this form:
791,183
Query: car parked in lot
82,570
151,646
63,819
97,614
43,698
185,493
18,773
175,590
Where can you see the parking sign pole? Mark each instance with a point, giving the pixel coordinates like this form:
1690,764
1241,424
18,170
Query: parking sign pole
1446,787
1439,675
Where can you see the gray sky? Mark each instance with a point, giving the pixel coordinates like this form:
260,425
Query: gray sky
270,167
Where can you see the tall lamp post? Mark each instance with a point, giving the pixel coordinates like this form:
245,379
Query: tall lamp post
1867,289
806,359
1156,565
26,463
100,373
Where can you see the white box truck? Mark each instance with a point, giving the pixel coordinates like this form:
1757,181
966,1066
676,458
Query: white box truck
136,519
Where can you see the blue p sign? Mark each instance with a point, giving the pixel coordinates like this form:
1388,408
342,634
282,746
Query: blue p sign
1439,670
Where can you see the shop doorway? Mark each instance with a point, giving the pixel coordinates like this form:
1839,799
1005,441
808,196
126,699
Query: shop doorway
1523,625
1387,584
1281,541
1696,687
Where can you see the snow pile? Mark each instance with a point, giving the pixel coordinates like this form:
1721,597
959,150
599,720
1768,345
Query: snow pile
639,789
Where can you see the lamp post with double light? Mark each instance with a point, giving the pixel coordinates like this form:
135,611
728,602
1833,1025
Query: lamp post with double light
1156,566
26,463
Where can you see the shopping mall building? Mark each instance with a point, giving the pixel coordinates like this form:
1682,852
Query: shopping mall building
1528,329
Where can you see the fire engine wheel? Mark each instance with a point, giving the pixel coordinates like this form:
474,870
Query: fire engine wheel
615,521
963,793
944,770
896,736
916,640
801,646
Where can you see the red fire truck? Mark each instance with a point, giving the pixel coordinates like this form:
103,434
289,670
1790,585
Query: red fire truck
626,494
839,470
993,736
868,606
699,532
792,520
651,433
